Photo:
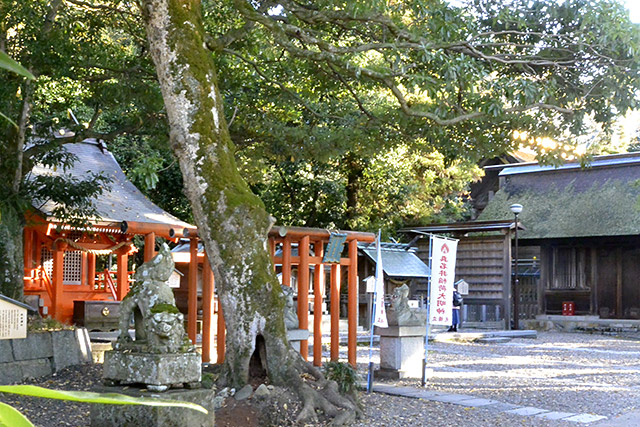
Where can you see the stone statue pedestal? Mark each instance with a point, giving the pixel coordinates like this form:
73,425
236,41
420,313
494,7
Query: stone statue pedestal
295,336
155,416
401,351
157,371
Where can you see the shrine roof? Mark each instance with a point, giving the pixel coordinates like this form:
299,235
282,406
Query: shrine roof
571,201
398,260
122,201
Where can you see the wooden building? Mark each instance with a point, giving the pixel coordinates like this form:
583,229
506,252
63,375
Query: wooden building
586,224
483,260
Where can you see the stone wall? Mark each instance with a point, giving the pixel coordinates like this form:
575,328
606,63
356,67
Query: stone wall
42,353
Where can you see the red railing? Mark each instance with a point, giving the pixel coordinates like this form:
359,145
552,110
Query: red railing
106,281
41,276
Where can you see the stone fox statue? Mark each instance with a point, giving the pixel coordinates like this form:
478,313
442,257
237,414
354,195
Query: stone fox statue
159,325
400,314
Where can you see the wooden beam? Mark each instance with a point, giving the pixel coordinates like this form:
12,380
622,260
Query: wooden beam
149,246
122,277
91,270
272,251
296,233
335,312
144,228
303,293
207,310
192,292
318,297
295,260
221,334
352,307
56,280
286,262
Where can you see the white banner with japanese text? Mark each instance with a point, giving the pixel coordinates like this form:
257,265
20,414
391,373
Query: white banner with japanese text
443,270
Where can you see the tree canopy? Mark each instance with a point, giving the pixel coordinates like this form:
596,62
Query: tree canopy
358,113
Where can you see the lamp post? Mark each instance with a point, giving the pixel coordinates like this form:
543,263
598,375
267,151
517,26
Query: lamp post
516,208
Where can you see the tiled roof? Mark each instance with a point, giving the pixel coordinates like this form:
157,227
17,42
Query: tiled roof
398,260
123,201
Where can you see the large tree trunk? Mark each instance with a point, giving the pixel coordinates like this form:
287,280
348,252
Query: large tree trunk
11,261
231,220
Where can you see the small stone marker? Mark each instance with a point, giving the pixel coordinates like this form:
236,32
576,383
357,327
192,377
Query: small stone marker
13,319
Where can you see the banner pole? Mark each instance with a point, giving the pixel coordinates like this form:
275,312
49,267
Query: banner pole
426,337
373,316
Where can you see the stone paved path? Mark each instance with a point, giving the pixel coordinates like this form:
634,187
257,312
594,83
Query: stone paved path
475,402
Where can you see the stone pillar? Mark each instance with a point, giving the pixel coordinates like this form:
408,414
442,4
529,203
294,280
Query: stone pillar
401,351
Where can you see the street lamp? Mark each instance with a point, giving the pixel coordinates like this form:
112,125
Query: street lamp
516,208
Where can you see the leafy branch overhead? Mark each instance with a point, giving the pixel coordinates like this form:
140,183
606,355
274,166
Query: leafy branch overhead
449,65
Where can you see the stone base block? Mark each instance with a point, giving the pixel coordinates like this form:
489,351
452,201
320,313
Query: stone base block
155,416
392,374
15,372
157,371
401,352
295,336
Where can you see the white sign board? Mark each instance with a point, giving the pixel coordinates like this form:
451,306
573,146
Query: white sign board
463,287
443,270
174,279
13,321
371,283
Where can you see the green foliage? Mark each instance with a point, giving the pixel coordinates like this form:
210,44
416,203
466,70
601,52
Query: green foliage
39,324
9,64
8,413
11,417
344,374
208,380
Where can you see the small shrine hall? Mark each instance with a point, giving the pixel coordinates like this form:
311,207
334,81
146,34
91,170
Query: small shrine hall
67,266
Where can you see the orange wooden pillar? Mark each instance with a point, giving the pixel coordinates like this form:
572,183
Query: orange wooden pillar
221,335
335,312
58,269
207,310
303,293
272,250
91,270
352,307
149,246
192,293
122,278
286,262
318,297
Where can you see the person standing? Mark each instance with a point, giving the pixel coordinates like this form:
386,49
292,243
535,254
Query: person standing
457,303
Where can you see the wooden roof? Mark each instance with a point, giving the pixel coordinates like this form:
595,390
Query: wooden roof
571,201
122,203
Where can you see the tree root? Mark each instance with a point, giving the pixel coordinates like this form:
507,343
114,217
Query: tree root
319,393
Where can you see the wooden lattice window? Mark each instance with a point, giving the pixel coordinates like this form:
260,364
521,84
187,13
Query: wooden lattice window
72,266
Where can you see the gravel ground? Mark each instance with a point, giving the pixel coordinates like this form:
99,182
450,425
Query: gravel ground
567,372
564,372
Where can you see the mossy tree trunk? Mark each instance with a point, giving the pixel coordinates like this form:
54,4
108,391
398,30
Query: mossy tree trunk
231,220
11,260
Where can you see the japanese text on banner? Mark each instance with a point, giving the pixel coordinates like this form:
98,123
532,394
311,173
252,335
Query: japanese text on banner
443,270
